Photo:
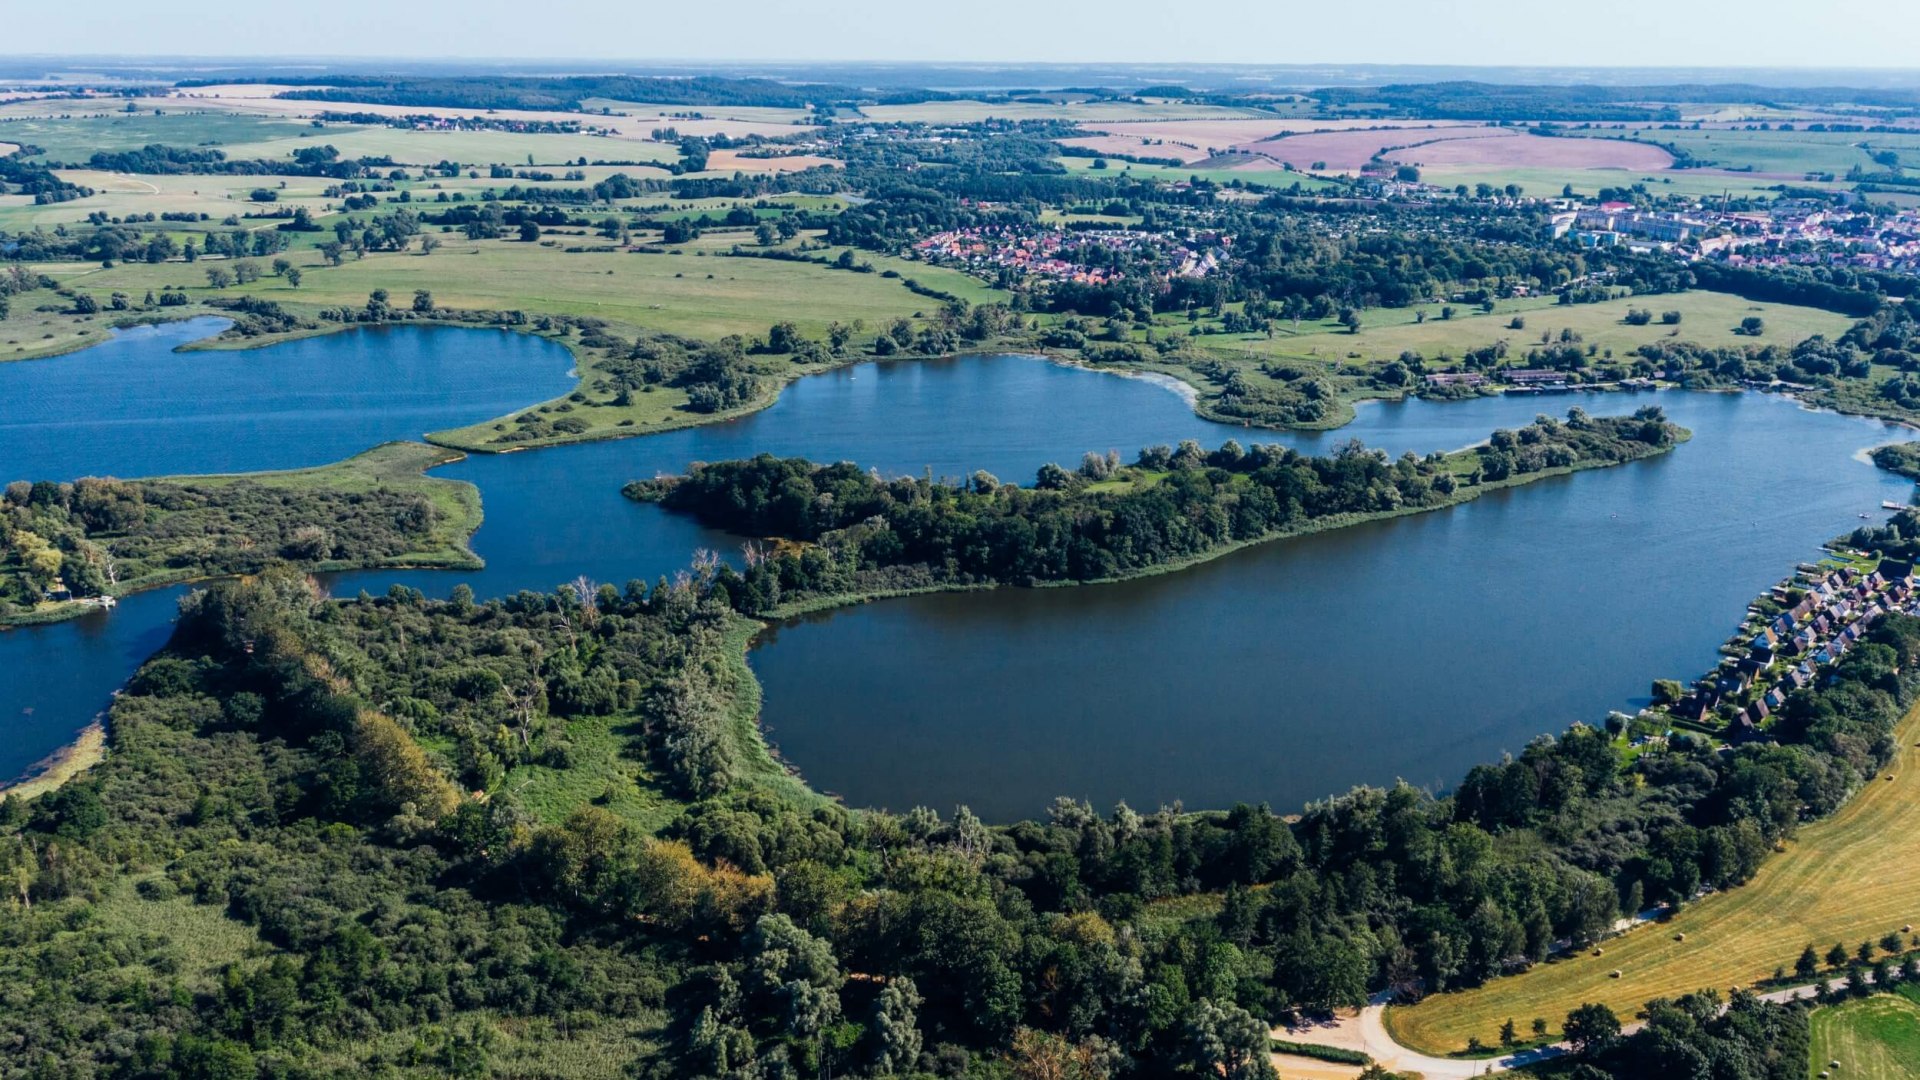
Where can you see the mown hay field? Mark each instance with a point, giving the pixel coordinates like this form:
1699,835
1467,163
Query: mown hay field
1851,878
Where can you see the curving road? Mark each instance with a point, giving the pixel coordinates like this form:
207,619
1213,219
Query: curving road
1366,1031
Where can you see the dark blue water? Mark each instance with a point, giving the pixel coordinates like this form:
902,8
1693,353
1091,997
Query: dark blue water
1409,648
135,407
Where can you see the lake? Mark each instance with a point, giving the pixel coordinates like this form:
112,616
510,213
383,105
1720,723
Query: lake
1408,648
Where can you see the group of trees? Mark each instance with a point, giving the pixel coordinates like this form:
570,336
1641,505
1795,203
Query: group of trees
100,535
865,534
304,766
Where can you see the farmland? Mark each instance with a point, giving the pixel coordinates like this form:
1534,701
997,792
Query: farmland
1877,1038
1850,878
1706,318
698,292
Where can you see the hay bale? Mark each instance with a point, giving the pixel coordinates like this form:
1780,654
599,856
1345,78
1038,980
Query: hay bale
1679,937
1614,974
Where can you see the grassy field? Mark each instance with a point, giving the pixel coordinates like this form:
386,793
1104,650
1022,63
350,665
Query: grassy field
1272,177
1791,153
1850,878
465,147
76,138
695,293
121,195
1546,182
1877,1038
1706,318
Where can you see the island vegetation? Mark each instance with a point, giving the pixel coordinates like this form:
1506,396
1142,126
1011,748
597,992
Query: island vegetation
840,532
64,547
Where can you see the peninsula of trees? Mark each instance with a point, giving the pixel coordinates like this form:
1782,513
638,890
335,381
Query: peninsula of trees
63,544
844,532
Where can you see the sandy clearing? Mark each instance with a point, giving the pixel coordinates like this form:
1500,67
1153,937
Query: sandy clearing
731,161
1301,1067
9,148
1536,150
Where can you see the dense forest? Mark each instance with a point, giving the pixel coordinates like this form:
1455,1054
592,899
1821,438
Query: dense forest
373,828
843,531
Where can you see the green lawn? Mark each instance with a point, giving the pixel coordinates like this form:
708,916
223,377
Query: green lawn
1877,1038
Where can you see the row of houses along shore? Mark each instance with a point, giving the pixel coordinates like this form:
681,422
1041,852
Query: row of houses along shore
1822,613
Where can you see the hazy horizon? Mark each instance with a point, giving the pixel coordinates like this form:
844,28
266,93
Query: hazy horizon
1644,34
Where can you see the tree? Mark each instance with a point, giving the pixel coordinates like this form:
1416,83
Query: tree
529,232
429,244
1539,1027
422,302
293,276
219,277
1836,956
1753,326
1508,1034
1225,1040
1591,1027
896,1034
1808,963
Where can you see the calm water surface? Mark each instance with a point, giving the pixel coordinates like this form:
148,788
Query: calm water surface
1409,648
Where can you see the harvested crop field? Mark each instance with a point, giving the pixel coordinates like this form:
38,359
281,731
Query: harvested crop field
1351,150
733,161
1520,149
1217,135
1134,145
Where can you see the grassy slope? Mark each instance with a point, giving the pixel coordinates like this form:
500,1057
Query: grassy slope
1850,878
1877,1038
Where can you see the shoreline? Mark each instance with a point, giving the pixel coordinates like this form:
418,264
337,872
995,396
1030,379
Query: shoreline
88,749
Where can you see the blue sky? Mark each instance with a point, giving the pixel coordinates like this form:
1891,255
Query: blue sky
1692,33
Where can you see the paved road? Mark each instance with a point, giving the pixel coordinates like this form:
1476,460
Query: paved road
1366,1031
